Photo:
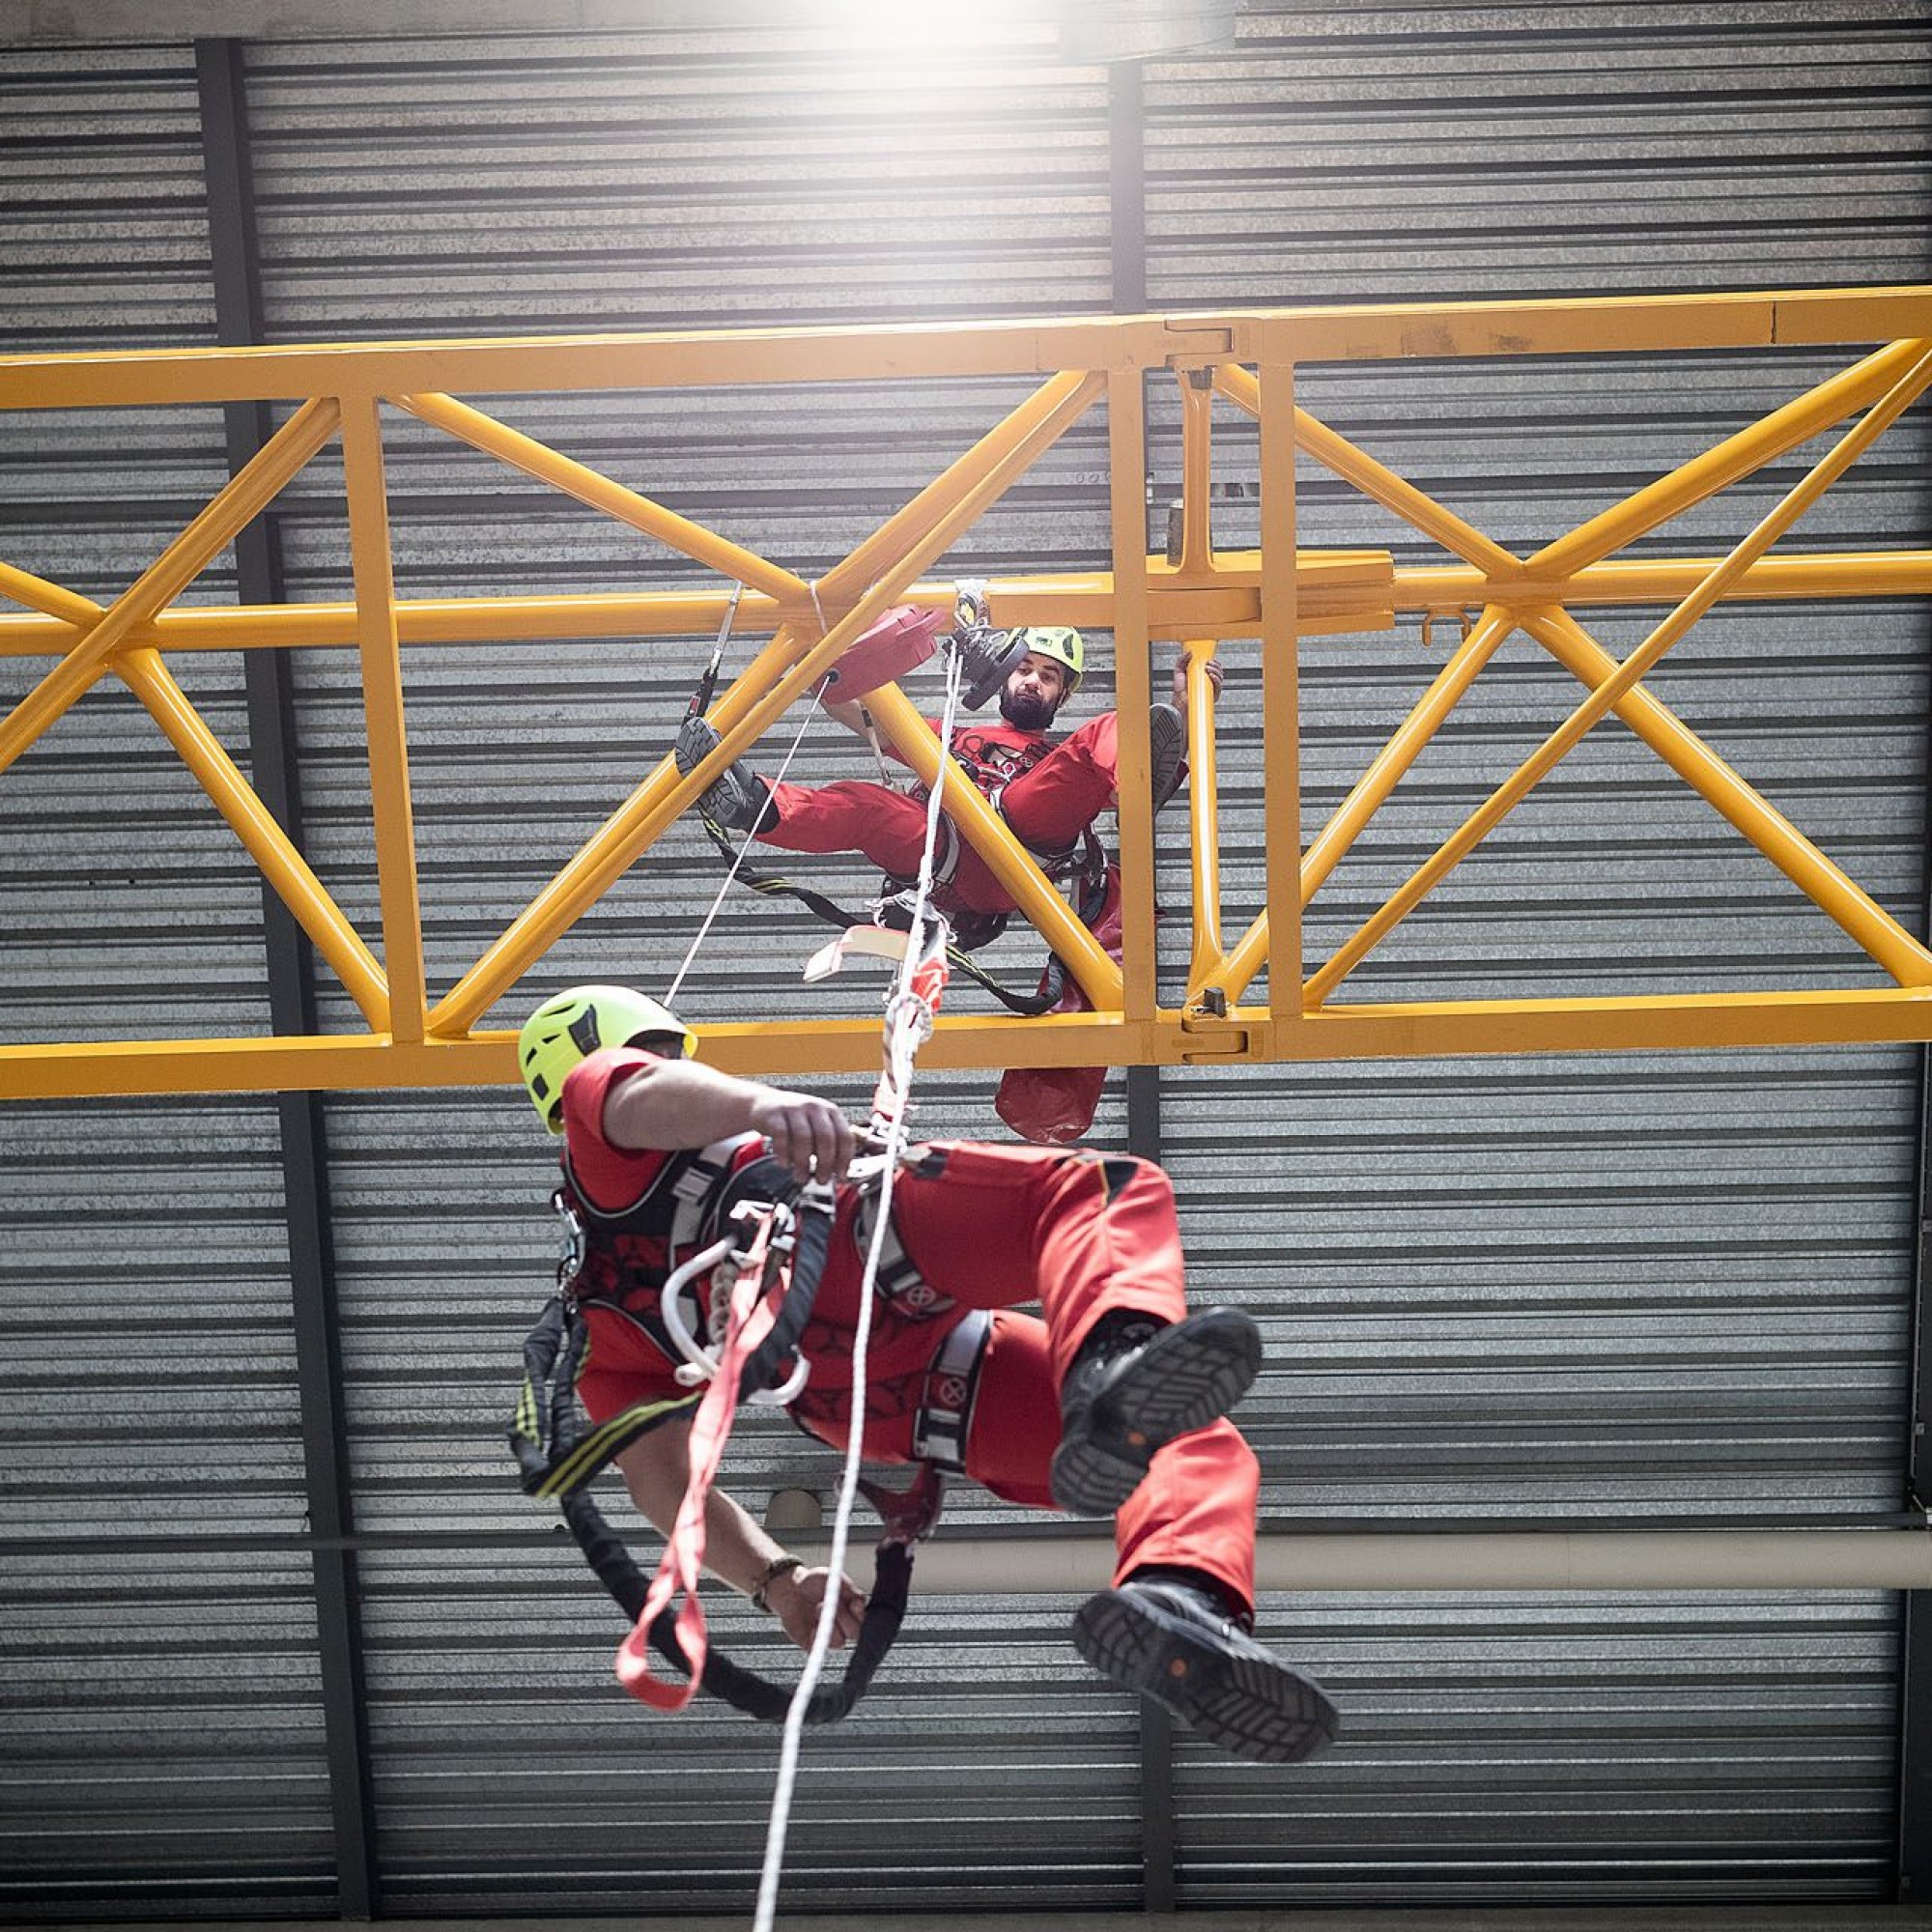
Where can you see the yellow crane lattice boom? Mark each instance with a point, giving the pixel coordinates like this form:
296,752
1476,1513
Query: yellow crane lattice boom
1247,361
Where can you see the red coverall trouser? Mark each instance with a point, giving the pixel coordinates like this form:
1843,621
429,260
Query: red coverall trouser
1048,808
1084,1234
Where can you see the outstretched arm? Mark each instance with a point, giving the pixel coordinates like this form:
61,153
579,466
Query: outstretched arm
679,1104
656,1469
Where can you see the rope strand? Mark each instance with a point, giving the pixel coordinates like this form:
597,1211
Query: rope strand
737,861
908,1023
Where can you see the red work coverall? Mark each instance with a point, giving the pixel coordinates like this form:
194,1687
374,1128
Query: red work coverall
1051,794
1082,1233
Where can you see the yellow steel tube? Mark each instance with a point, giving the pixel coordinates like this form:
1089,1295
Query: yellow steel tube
1281,713
1224,603
575,479
1814,574
1392,762
914,520
1204,814
1371,789
709,359
1376,480
382,713
672,360
235,506
1197,471
1127,469
1768,829
1558,745
55,600
1647,1023
282,865
1227,607
1007,859
741,716
1797,422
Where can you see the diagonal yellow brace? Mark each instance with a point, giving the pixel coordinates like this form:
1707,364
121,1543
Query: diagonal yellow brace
576,479
53,599
282,865
604,859
742,714
236,505
1007,859
1371,791
914,520
1837,895
1570,732
1797,422
382,715
1374,480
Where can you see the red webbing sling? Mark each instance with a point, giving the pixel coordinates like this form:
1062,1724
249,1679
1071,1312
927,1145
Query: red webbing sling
753,1313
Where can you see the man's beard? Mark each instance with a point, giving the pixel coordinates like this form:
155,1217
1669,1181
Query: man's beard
1025,710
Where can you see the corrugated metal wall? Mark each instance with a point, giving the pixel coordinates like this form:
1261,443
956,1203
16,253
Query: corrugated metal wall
1562,1289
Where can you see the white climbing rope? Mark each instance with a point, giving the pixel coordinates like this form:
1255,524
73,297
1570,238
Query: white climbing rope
908,1024
737,864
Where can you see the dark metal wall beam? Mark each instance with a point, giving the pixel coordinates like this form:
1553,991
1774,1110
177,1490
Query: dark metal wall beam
1914,1703
1914,1672
1127,174
290,966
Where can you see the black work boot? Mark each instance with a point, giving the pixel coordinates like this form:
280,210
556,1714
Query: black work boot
1133,1389
738,799
1167,741
1185,1649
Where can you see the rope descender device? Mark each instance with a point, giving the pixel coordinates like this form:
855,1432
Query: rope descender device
738,1278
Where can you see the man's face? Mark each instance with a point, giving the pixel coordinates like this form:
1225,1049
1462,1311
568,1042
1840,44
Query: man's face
1034,693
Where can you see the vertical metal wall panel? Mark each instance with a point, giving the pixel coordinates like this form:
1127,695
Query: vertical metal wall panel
161,1706
1351,153
674,180
105,233
1639,1285
102,211
1615,1750
162,1714
164,1749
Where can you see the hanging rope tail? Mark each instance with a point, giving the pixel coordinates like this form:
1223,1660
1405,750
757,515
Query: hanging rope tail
765,1321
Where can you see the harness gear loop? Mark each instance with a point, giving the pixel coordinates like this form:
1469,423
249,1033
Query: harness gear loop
768,1263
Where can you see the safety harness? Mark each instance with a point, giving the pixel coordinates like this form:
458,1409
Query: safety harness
883,653
762,1295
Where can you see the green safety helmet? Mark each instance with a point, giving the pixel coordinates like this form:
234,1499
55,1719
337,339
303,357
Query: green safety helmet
574,1025
1063,646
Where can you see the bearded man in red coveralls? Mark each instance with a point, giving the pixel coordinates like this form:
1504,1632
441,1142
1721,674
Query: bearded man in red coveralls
1049,789
1112,1404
